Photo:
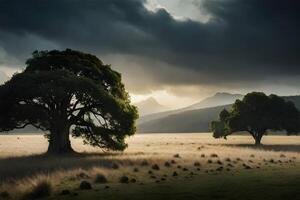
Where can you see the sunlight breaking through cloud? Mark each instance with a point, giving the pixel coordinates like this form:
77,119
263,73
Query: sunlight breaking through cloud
180,10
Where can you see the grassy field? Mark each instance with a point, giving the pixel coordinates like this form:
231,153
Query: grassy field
158,166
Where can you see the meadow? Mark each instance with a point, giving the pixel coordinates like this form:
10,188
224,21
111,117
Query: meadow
155,166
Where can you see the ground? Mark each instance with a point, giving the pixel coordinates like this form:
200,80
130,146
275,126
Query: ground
207,168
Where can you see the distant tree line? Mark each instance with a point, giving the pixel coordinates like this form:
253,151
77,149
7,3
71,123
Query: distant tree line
256,114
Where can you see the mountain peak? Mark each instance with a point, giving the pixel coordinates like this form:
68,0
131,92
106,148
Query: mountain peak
222,94
150,100
220,98
149,106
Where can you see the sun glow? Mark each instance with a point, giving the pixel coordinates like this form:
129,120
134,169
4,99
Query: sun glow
180,10
164,98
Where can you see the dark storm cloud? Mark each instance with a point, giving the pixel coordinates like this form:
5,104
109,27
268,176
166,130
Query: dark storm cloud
245,40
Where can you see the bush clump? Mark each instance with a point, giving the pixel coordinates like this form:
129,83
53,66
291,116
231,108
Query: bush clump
124,179
133,180
246,166
155,167
167,164
100,178
176,156
65,192
40,190
219,169
197,164
213,155
4,195
219,162
85,185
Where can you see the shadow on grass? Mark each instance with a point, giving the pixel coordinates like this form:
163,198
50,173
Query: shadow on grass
19,167
269,147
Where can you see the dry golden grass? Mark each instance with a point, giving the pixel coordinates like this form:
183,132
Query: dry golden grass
22,164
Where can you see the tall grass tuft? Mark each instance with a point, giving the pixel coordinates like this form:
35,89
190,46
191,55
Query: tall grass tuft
40,190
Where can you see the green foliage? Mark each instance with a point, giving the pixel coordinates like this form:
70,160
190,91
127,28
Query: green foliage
63,90
256,114
224,114
218,128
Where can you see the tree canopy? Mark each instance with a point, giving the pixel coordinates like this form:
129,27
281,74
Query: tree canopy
256,114
68,91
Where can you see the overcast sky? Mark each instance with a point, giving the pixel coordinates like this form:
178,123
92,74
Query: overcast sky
178,51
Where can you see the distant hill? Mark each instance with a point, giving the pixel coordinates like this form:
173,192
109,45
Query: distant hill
158,115
27,130
185,120
220,98
150,106
217,100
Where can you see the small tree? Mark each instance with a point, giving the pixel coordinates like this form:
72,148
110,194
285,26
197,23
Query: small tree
256,114
69,91
220,128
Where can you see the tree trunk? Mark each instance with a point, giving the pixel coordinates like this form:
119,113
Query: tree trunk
59,141
258,137
257,141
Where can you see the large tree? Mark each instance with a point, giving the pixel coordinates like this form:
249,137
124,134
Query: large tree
256,114
63,92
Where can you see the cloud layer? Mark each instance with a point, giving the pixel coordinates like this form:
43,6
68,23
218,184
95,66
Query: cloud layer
244,43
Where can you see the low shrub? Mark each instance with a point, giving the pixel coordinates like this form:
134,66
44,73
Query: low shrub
100,178
85,185
40,190
155,167
4,195
124,179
